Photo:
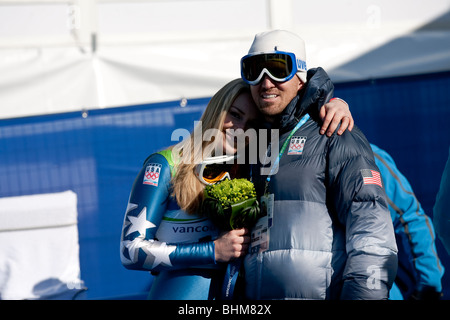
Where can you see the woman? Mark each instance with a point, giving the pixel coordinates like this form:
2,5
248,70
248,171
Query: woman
163,231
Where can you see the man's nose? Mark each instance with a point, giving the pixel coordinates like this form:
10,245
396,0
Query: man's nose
267,82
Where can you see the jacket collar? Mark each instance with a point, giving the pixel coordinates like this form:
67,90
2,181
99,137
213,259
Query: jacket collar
318,90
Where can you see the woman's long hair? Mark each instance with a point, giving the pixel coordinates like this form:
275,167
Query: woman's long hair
186,187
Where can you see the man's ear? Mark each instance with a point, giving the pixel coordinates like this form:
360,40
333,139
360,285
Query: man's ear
300,84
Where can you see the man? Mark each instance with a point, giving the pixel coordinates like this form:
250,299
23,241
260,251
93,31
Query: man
328,233
420,270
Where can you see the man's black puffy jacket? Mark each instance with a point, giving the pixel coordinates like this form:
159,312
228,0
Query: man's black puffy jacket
332,234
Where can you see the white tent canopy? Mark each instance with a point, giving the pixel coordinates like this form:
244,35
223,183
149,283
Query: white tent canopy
61,55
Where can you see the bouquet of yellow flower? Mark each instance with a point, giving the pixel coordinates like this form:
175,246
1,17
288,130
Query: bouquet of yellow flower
231,204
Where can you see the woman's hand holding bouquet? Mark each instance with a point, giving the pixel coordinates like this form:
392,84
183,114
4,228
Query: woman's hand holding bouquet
232,245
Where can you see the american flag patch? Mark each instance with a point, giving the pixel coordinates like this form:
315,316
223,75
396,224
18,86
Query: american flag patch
371,177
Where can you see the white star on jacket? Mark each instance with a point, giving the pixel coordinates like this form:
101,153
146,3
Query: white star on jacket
157,252
139,223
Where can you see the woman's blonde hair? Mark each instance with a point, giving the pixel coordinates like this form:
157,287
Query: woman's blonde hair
186,187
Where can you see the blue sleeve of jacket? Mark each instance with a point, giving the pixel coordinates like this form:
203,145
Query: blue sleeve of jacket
139,249
411,225
360,204
441,210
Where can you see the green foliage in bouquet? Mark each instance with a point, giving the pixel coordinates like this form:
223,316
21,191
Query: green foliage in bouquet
231,204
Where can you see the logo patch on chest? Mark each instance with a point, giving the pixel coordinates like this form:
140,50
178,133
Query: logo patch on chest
296,145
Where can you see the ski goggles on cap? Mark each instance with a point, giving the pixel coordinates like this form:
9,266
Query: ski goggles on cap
280,66
214,169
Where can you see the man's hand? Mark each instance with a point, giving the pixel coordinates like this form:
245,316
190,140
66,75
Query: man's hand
231,245
336,112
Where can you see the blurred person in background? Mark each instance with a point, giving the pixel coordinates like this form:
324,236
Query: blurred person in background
441,210
420,270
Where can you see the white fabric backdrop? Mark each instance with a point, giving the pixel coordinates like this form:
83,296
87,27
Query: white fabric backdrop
151,51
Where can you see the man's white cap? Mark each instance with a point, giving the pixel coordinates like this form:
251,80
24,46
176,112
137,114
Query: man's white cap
282,40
